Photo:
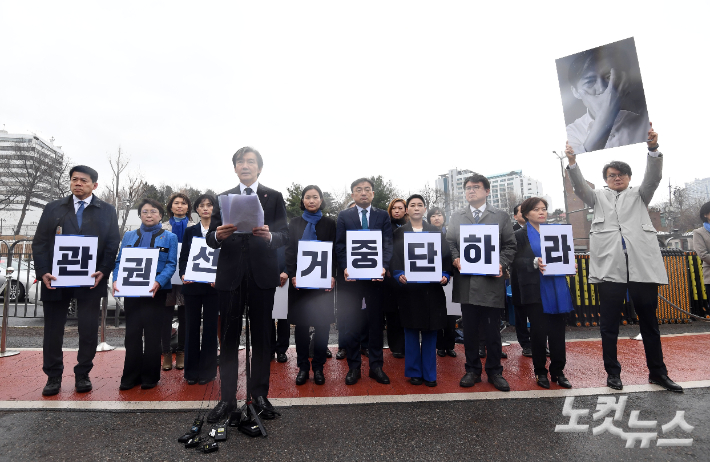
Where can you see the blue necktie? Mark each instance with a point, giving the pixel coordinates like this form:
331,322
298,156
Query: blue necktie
365,224
248,191
80,213
477,216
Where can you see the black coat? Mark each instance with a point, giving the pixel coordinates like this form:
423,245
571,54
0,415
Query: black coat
524,277
309,307
193,288
421,306
263,262
99,219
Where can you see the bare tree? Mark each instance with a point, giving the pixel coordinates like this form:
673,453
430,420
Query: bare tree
28,174
433,196
511,200
126,187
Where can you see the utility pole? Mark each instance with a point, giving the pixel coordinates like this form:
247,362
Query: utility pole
564,189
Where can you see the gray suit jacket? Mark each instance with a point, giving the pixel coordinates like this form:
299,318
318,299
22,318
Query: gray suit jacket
623,214
701,245
481,290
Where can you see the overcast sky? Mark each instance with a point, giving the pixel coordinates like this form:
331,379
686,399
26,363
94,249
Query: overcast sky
330,91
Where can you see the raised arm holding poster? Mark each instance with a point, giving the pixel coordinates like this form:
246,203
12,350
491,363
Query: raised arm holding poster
74,260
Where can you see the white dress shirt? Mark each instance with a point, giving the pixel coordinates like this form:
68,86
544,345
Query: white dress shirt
87,201
359,214
253,187
203,230
482,209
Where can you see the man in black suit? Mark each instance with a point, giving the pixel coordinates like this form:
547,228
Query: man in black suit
521,318
362,216
247,275
518,217
85,214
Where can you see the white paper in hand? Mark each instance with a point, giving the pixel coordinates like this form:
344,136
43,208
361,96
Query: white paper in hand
314,265
136,272
175,280
364,254
480,250
244,212
422,257
556,243
74,260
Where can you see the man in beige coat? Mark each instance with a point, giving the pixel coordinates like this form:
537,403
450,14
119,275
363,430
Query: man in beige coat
625,257
701,243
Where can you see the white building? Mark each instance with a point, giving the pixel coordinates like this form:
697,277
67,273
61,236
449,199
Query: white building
699,189
451,184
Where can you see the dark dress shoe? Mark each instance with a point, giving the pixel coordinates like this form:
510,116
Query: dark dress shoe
83,384
318,377
328,353
430,384
54,384
281,357
504,355
264,408
527,352
365,352
614,381
561,381
301,377
470,379
500,383
127,386
148,386
206,381
416,380
398,355
451,353
352,377
220,411
341,354
441,353
481,352
191,381
542,381
379,375
665,382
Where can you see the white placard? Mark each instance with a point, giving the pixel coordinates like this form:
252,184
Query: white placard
479,248
280,310
364,254
136,272
202,261
175,280
452,309
556,243
74,260
314,265
422,257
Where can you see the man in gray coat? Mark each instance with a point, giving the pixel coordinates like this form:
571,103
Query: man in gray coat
625,256
482,298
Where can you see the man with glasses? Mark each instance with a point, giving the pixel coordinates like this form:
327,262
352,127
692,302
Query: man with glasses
625,257
351,292
247,275
482,298
85,214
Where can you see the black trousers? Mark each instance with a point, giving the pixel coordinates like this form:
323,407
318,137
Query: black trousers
362,338
543,328
446,337
55,318
350,313
645,298
521,326
477,317
320,344
167,328
201,357
395,332
143,316
280,335
231,308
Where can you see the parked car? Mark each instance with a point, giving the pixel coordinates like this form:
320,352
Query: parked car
23,284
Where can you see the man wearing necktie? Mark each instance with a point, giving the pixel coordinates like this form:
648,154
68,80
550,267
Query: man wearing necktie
482,298
247,275
85,214
351,292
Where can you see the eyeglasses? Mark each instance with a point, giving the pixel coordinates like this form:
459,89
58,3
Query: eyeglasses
361,190
474,188
150,212
613,176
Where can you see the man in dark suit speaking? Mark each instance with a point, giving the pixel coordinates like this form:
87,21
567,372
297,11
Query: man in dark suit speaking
247,275
85,214
351,292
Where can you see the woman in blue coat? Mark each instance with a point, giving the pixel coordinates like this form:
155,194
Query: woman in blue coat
144,314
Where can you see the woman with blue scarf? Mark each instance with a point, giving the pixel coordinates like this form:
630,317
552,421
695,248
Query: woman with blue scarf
545,300
143,314
310,307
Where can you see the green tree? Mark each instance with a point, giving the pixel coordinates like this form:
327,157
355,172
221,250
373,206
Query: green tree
385,191
293,201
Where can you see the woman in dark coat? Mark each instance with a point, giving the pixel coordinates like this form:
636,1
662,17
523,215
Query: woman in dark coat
446,337
310,307
422,307
544,300
397,211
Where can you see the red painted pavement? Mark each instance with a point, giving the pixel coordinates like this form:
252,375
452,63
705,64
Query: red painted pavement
686,358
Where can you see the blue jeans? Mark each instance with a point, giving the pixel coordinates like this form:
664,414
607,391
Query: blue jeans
420,359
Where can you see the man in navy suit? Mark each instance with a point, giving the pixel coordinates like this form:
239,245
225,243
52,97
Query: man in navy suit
247,275
351,292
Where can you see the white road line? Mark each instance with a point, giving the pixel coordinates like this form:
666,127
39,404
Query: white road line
327,401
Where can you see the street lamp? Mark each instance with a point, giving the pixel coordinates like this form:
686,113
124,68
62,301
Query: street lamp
564,189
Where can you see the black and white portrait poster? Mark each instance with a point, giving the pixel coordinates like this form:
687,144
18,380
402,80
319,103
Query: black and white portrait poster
602,97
